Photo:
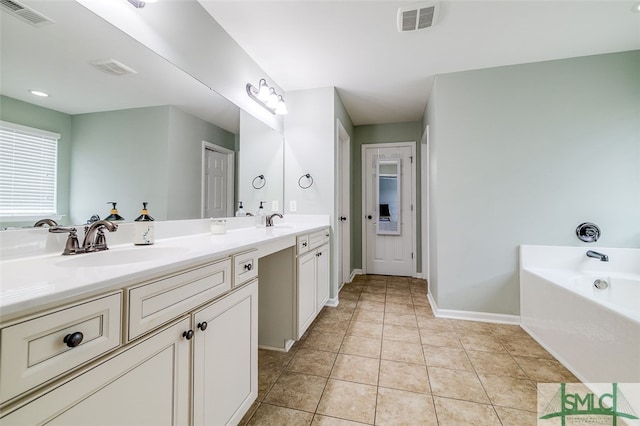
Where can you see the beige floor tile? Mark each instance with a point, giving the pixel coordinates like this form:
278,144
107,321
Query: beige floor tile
402,352
368,316
400,308
545,370
453,412
354,368
472,327
420,300
439,356
395,318
505,330
266,378
495,363
362,346
349,401
435,324
331,325
268,414
372,297
336,314
397,407
323,341
447,339
319,420
273,359
374,288
365,329
423,311
247,416
298,391
509,416
400,291
370,306
456,384
481,342
400,333
524,346
398,299
404,376
510,392
351,296
311,361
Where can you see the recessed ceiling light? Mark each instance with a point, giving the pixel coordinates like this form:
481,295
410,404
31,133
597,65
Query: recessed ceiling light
39,93
636,7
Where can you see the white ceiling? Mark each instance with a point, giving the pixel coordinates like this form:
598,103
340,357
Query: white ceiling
384,76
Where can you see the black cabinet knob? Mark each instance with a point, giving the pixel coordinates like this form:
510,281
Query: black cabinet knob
74,339
203,325
188,334
342,218
369,217
248,266
304,244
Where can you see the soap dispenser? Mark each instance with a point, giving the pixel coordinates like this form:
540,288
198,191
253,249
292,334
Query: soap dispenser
114,213
261,216
240,211
143,232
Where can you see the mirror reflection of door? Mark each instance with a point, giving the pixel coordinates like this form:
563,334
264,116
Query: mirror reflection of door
388,197
217,181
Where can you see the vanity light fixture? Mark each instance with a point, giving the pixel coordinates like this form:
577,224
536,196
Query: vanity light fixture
267,97
636,7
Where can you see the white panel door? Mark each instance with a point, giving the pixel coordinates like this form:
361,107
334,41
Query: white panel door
388,254
216,184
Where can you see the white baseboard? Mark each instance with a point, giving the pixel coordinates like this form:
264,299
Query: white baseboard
333,302
472,315
354,273
287,346
419,275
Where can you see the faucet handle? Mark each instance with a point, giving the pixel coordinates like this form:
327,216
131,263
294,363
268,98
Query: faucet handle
71,246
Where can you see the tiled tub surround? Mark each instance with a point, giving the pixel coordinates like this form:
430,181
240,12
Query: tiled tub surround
594,332
381,357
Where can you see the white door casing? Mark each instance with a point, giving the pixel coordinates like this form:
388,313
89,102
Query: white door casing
217,181
389,254
343,193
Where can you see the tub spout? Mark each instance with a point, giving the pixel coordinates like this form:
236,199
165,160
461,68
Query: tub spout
596,255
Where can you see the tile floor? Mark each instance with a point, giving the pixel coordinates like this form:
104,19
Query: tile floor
382,358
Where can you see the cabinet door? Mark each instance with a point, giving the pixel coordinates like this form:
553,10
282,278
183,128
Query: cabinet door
147,384
226,358
322,276
306,291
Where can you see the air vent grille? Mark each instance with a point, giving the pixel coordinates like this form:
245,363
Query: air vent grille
417,16
23,12
113,67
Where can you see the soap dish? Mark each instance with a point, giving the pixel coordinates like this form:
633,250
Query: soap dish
218,226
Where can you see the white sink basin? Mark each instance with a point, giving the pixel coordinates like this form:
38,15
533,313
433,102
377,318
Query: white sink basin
119,256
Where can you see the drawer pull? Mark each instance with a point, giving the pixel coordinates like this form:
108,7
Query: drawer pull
203,325
188,334
304,244
74,339
248,266
319,254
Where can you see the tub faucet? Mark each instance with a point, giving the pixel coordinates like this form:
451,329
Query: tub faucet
94,238
596,255
270,218
43,222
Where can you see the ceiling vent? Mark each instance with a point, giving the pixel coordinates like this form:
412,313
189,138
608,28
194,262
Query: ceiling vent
23,12
112,67
417,16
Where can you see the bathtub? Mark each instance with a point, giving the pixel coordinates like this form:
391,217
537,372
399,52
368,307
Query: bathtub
594,332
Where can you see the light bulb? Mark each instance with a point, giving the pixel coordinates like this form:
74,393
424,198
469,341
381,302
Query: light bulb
281,109
39,93
263,90
272,102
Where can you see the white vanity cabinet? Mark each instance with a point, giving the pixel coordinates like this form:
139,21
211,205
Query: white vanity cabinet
177,349
313,277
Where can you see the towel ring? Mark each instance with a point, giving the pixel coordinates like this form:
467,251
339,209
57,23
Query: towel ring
262,179
309,178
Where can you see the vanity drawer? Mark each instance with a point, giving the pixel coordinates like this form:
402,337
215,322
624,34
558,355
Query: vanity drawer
303,244
318,238
245,267
157,302
34,351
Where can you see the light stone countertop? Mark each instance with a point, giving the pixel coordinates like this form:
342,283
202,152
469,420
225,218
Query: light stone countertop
36,283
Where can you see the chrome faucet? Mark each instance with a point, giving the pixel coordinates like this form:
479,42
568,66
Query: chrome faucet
94,238
270,218
71,246
43,222
596,255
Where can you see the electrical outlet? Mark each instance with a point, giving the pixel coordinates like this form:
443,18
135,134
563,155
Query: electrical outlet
293,206
275,206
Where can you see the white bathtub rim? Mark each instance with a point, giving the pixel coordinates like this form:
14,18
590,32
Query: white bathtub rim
471,315
568,275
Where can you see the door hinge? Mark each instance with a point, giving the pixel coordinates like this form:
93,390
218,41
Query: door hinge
411,207
412,255
411,158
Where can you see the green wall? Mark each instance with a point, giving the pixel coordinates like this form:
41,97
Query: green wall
522,155
371,134
26,114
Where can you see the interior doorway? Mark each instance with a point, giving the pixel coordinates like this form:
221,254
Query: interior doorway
388,200
217,180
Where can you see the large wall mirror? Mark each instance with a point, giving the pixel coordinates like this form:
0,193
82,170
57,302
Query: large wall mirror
133,137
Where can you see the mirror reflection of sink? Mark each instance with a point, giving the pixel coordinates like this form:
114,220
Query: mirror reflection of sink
116,257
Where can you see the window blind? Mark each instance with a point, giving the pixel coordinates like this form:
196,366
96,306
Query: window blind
28,165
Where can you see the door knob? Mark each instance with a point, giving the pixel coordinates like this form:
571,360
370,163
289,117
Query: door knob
342,218
369,217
